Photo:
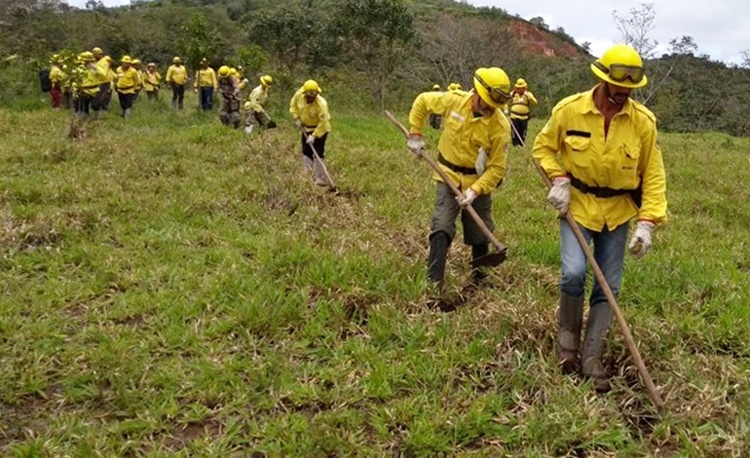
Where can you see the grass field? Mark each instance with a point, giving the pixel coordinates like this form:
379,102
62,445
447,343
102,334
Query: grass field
171,287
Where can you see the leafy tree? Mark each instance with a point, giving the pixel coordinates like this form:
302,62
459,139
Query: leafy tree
200,41
287,35
377,36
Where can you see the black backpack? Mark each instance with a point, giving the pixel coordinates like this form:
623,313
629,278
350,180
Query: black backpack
44,81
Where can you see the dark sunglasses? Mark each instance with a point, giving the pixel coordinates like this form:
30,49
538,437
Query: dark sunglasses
619,73
496,94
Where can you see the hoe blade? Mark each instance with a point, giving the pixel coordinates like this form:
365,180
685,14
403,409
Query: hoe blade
490,260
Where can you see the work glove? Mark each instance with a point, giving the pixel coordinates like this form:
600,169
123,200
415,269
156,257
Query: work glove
415,143
469,197
298,123
559,194
310,139
481,163
641,240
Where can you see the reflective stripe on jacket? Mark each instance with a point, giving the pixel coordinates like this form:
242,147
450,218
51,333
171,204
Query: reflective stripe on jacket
463,134
627,157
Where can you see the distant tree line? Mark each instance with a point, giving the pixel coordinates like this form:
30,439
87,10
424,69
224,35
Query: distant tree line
374,53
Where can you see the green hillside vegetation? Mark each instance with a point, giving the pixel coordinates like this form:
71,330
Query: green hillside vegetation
172,287
378,52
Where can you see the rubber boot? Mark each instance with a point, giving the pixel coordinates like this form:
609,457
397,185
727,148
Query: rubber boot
127,113
439,244
320,175
307,162
600,319
477,251
569,319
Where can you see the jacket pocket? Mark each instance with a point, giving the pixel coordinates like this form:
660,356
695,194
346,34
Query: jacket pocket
627,169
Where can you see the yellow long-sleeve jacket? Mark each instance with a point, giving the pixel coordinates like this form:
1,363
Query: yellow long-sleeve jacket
151,81
258,98
520,104
176,74
57,76
104,65
314,116
462,137
90,80
627,157
127,80
206,77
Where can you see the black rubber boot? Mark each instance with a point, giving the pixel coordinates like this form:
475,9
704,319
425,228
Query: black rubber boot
477,251
439,244
569,319
600,319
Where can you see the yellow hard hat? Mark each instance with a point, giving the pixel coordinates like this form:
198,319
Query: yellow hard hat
622,66
126,60
454,87
310,86
86,56
136,62
520,82
151,64
493,86
97,50
266,80
224,71
54,58
176,60
435,87
233,71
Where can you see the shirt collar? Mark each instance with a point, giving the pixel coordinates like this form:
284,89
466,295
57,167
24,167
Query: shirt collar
590,107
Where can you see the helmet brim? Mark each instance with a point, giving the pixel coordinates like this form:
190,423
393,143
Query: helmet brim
627,83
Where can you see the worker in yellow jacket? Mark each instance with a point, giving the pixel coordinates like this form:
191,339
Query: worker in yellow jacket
472,153
205,84
177,77
255,106
57,77
104,63
230,98
600,150
127,84
520,111
151,81
139,72
310,112
436,119
87,86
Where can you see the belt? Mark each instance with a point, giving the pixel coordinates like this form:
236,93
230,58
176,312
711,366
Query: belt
597,191
456,168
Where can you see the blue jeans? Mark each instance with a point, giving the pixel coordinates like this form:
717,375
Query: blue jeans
609,252
207,97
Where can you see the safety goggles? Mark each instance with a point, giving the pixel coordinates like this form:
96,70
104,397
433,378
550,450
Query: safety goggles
619,73
311,94
496,94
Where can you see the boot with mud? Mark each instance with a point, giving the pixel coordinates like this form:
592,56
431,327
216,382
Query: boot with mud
439,244
478,274
600,319
569,319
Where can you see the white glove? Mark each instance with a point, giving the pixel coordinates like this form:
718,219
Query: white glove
298,123
641,240
481,162
249,129
415,143
310,139
469,197
559,194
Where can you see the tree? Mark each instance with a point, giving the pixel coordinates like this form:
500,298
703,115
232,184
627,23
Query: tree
200,41
636,27
377,37
539,22
287,35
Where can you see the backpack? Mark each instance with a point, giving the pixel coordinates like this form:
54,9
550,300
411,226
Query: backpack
44,81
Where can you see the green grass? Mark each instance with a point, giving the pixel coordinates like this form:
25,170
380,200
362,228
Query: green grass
171,287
